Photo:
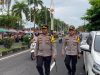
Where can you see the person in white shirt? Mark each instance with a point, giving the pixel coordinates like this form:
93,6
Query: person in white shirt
33,43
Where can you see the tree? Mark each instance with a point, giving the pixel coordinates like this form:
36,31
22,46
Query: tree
9,22
60,25
41,18
34,9
18,8
8,3
35,2
93,15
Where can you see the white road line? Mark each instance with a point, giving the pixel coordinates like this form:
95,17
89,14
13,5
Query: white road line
51,67
14,55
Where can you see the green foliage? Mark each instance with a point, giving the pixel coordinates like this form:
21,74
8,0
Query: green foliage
18,8
26,40
39,16
95,3
43,16
60,25
1,41
35,2
9,21
93,15
8,42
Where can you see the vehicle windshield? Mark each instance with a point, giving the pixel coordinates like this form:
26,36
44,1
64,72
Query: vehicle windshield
97,43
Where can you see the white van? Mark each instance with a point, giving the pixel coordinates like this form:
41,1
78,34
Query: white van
92,53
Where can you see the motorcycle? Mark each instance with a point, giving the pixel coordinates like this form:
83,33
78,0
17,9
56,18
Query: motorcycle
32,47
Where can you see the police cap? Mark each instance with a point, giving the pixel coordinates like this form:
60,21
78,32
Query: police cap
71,27
44,27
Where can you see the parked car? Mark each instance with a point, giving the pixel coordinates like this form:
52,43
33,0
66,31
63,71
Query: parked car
92,53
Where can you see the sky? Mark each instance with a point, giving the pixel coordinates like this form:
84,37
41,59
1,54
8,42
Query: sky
69,11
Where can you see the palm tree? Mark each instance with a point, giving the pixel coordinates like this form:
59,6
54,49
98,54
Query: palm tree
8,3
36,3
18,8
43,16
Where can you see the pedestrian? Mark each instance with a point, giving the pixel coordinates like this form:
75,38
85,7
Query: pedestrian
36,32
45,51
71,48
60,37
33,43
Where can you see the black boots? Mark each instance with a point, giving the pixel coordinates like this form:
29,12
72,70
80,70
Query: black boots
71,73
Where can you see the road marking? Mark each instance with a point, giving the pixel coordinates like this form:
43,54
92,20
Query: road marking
14,55
51,67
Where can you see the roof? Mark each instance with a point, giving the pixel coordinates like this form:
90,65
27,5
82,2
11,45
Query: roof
96,32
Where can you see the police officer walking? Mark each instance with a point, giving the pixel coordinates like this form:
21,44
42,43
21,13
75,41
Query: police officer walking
45,51
71,48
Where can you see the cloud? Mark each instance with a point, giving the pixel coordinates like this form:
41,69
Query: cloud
69,11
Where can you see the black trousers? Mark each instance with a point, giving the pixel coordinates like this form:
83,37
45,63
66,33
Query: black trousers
43,61
70,62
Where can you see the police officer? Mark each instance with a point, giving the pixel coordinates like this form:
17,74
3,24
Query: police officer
71,48
45,51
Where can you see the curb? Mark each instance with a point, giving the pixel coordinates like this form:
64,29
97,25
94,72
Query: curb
4,53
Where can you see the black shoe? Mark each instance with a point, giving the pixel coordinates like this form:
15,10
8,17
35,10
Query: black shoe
73,73
69,73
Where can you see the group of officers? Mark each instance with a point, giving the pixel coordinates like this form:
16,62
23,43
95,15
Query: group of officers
46,51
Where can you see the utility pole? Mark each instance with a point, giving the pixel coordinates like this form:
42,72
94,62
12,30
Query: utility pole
30,16
46,15
51,15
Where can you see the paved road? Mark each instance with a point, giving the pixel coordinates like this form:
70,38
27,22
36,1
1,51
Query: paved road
22,65
61,67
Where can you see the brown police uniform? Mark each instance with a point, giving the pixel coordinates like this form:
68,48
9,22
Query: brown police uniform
71,49
44,51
